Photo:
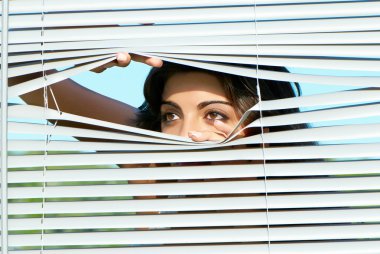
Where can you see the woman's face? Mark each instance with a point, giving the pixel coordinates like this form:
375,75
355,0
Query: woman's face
194,103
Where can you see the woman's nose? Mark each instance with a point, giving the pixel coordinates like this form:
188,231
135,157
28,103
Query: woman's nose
189,125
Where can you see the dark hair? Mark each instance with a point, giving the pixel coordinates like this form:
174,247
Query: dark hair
241,91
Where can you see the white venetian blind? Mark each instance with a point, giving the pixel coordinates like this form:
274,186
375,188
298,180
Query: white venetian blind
308,190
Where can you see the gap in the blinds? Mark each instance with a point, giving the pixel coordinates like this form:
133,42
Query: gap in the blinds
122,84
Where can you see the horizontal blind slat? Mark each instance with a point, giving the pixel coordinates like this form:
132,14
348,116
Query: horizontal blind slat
34,84
357,96
331,38
235,28
324,115
202,236
60,55
301,152
330,133
194,204
36,112
207,188
364,81
22,69
317,63
199,172
199,220
22,6
38,129
348,51
351,247
316,11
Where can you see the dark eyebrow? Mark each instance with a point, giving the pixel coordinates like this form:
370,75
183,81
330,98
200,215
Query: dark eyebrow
200,105
170,103
206,103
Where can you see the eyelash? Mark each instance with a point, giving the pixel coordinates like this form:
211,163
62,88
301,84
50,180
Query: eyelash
224,117
164,116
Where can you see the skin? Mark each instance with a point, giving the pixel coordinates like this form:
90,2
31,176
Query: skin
196,106
70,95
187,110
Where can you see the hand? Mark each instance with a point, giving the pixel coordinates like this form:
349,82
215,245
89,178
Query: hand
221,132
123,59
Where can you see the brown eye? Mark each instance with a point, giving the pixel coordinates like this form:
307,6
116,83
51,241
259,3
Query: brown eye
215,116
169,117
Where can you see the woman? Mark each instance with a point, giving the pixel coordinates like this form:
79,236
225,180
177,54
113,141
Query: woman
180,100
202,104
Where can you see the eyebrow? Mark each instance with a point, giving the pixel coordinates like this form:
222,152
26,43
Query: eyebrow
200,105
170,103
206,103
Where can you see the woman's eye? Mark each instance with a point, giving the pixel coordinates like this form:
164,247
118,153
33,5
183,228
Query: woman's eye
169,117
215,116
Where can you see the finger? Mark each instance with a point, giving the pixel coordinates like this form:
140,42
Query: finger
152,61
98,69
222,127
103,67
200,136
123,59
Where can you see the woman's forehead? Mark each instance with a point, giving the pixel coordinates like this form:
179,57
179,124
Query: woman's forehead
190,83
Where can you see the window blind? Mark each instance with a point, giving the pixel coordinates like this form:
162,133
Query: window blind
308,190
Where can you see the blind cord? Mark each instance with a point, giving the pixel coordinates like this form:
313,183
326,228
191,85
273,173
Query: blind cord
262,129
47,138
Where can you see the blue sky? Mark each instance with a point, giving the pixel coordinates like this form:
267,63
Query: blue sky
126,84
123,84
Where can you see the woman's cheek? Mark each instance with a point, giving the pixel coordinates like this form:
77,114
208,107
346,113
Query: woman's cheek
172,128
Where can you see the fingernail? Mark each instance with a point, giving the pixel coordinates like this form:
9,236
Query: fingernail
195,134
121,57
